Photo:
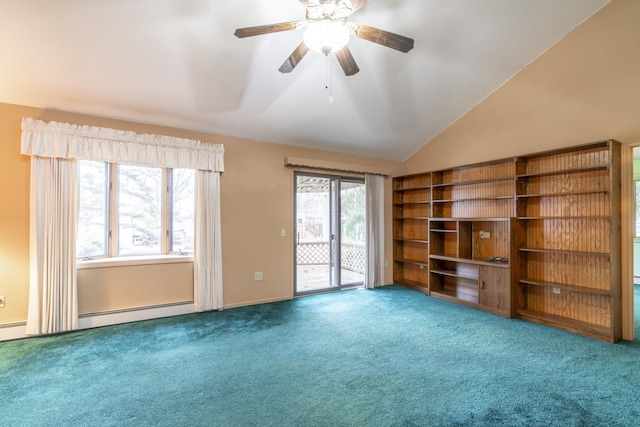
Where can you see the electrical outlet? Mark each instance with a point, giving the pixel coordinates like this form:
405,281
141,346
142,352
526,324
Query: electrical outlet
1,301
257,275
485,234
556,291
283,232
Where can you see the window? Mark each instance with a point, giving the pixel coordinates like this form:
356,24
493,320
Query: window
93,226
139,210
124,210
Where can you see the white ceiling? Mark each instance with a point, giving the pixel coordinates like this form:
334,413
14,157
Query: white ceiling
176,63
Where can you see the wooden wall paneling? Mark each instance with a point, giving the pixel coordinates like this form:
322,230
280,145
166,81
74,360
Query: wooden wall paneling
417,273
413,251
496,246
465,240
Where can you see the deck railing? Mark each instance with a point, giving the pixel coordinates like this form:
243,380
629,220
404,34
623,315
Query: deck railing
317,253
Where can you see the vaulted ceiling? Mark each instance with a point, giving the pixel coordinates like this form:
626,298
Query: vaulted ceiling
176,63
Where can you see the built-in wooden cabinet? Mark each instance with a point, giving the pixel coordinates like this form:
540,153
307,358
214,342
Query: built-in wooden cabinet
535,237
469,262
495,289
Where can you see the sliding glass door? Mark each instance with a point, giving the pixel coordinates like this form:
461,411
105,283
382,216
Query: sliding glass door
329,232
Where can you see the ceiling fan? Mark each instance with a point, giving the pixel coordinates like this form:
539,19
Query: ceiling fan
326,30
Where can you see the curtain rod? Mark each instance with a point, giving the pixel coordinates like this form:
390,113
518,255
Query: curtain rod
335,166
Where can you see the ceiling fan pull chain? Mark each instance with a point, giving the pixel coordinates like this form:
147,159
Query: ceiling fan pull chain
328,78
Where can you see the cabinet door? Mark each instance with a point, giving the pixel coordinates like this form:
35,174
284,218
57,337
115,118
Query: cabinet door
494,284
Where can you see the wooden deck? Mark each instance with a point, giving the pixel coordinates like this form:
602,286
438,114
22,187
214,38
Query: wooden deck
315,277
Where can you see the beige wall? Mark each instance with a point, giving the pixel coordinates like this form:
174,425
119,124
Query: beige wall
584,89
256,201
108,288
14,217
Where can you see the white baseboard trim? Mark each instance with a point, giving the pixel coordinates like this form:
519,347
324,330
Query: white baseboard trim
256,302
18,330
13,331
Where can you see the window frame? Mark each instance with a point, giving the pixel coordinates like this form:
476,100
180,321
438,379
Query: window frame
111,255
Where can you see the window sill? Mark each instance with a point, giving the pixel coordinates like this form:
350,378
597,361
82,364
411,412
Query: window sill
133,260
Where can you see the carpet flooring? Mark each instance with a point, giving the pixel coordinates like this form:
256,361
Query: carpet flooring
384,357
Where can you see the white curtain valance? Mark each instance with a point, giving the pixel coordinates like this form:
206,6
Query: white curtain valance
68,141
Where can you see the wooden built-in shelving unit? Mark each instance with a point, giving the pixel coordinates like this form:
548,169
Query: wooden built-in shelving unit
568,204
535,237
411,212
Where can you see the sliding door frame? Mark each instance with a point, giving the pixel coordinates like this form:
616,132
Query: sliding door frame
335,240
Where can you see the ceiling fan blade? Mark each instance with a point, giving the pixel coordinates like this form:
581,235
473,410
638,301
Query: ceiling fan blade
357,4
294,59
264,29
385,38
348,64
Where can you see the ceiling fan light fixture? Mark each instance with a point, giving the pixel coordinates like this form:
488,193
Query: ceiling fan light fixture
326,36
327,30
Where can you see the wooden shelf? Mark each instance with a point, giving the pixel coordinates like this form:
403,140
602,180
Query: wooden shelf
453,273
448,257
564,194
545,218
568,324
423,202
562,286
475,181
456,297
470,219
413,261
560,251
400,218
469,199
403,239
445,257
401,190
563,171
411,283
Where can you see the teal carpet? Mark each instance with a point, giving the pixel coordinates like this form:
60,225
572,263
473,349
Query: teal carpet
384,357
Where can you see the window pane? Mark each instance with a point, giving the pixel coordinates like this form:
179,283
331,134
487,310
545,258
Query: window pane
92,222
139,210
182,210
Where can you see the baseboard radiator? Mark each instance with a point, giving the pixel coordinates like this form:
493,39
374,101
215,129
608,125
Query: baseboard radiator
17,330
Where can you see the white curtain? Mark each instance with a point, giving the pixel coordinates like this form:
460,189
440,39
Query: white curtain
54,204
207,268
53,301
374,246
